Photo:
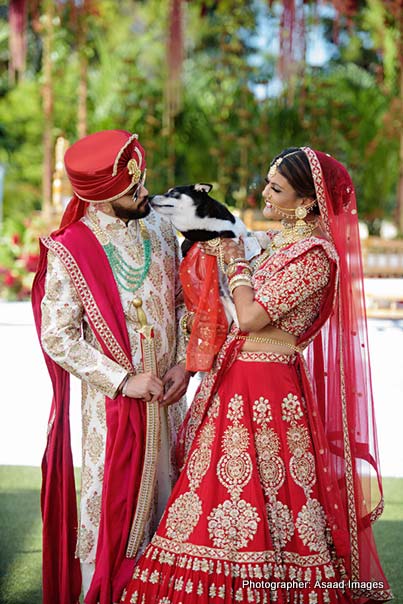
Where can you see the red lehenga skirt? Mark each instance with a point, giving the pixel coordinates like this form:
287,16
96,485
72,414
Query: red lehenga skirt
245,522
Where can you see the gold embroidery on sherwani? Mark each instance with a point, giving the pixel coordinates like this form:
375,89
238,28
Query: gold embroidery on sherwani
87,541
94,446
185,512
88,301
233,523
94,507
86,480
81,354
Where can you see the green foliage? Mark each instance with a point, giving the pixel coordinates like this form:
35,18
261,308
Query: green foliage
333,102
384,31
224,132
21,130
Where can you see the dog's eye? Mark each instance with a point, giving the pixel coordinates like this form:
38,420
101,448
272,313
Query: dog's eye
174,194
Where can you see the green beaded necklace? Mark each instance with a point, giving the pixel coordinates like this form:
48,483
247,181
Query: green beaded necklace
129,278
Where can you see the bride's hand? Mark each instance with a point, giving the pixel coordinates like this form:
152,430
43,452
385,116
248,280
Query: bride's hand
230,249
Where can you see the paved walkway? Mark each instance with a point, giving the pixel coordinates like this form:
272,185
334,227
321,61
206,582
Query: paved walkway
26,392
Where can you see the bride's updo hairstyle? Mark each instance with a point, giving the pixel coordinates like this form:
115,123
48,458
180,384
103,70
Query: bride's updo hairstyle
296,169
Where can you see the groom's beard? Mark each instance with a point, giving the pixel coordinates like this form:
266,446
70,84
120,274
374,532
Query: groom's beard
139,209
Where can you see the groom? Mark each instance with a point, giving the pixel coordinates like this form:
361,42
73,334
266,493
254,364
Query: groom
107,302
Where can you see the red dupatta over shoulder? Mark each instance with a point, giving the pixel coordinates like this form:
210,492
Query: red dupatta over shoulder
130,425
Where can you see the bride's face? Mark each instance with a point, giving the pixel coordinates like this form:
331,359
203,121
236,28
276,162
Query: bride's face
279,190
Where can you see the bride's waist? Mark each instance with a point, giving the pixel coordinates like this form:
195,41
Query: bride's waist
262,342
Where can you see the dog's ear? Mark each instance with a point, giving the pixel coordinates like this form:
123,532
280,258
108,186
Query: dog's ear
203,187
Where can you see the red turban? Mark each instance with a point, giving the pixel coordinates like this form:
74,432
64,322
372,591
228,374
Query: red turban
102,167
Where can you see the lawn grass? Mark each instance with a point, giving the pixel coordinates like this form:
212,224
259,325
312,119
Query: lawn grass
20,535
388,532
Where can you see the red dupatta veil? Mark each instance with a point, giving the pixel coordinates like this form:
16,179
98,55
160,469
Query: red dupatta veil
338,360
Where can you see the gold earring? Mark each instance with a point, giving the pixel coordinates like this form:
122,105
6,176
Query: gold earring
300,225
300,213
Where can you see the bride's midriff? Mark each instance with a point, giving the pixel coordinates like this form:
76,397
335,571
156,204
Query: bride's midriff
272,333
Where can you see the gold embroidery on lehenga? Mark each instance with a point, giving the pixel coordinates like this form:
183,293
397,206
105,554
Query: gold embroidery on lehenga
234,471
311,520
235,440
302,462
298,439
311,526
272,475
205,557
185,512
183,516
235,408
265,357
302,469
271,466
233,523
280,517
262,411
291,408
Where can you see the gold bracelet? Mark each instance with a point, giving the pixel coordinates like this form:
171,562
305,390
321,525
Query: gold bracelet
234,268
220,258
183,323
234,260
263,340
215,248
240,277
246,283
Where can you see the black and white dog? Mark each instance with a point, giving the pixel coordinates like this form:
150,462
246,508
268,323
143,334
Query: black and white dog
199,217
196,215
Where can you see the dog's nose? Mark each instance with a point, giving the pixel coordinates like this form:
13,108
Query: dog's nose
156,198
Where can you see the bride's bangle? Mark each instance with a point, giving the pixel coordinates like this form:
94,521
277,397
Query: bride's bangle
238,280
184,323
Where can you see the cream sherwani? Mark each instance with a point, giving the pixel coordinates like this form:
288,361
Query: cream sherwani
69,340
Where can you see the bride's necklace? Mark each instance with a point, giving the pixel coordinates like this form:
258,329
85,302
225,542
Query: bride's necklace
128,277
291,233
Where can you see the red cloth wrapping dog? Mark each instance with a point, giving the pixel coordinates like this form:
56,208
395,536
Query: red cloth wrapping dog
199,278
